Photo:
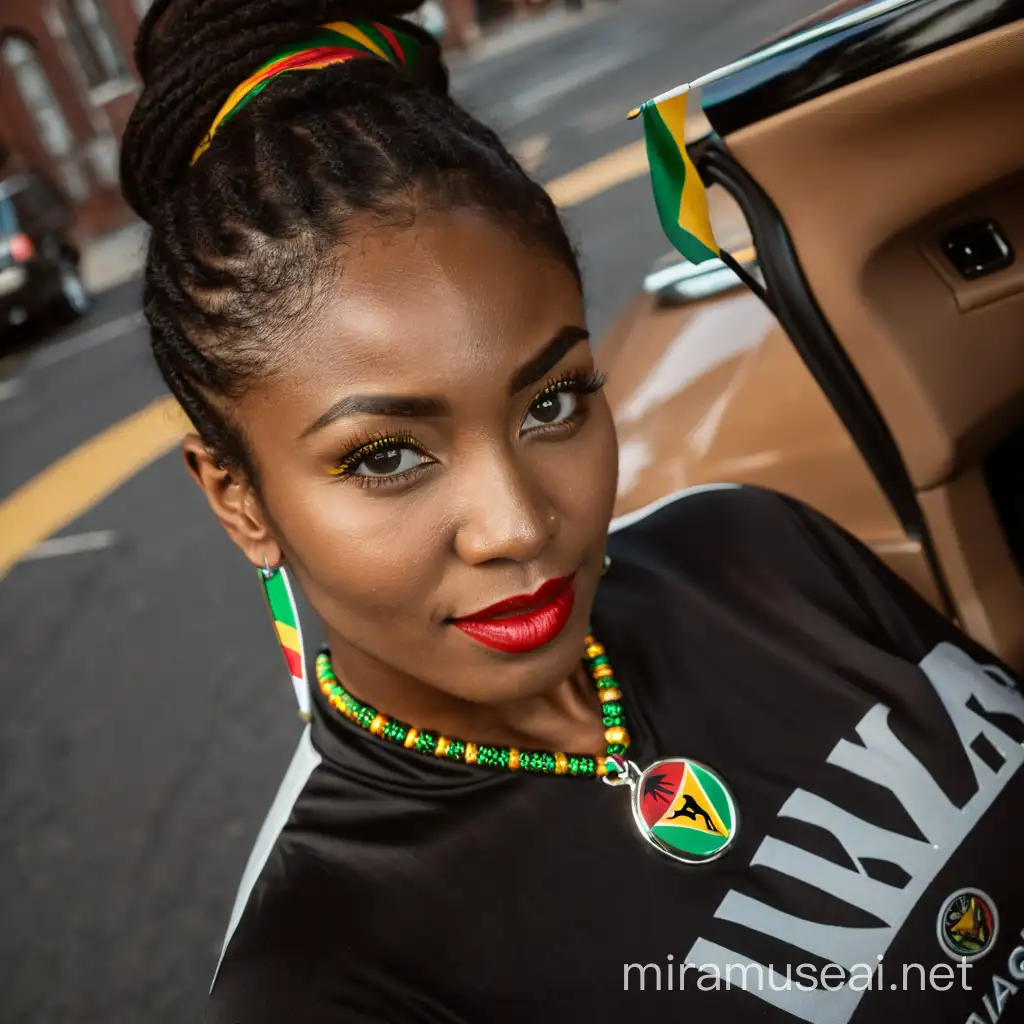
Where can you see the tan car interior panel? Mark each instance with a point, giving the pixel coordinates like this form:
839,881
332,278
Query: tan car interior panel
894,163
979,570
1003,204
715,391
968,362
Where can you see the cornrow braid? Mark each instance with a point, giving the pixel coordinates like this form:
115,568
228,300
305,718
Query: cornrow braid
242,239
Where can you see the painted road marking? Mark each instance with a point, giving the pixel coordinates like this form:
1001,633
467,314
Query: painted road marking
616,168
58,547
528,103
84,477
531,152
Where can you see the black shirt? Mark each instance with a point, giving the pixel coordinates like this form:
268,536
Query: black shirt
872,751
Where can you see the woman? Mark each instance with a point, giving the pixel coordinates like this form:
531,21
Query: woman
375,321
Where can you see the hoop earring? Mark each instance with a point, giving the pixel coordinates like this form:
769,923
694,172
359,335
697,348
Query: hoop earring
284,613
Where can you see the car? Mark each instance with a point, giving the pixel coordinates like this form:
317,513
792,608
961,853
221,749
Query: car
862,347
39,271
431,18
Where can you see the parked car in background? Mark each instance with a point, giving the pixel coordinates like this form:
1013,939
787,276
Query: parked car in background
870,176
431,18
39,274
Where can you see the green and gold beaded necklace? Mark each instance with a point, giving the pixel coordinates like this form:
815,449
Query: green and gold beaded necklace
680,806
506,758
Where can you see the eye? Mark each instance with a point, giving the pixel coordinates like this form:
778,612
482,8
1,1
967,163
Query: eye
385,460
563,401
550,408
392,460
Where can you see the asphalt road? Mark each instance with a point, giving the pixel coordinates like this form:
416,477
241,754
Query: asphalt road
146,717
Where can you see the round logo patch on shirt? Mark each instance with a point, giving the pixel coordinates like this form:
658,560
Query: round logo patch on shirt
685,810
968,924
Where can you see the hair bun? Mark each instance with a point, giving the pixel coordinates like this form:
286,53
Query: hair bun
170,27
192,53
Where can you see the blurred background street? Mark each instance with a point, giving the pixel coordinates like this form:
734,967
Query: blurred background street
147,717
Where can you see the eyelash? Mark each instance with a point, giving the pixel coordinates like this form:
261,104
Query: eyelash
575,382
370,444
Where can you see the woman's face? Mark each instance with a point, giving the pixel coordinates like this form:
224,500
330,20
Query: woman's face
435,445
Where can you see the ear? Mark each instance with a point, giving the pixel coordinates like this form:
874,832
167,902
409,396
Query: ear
233,502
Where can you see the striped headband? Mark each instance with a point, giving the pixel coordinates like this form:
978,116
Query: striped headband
336,43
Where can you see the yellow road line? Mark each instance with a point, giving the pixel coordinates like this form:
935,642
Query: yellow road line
84,477
606,172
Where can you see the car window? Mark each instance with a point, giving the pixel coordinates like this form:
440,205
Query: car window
36,207
30,208
9,221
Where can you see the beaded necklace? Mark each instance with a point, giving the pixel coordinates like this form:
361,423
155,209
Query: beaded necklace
430,743
680,806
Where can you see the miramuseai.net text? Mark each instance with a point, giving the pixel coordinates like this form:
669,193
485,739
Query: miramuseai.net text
672,976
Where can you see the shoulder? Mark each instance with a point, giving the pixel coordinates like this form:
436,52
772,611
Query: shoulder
311,944
264,949
765,555
275,966
689,502
724,529
286,958
736,529
730,512
289,953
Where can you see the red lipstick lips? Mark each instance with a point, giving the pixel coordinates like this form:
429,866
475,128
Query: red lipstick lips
525,622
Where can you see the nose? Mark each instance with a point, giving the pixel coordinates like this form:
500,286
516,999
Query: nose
504,515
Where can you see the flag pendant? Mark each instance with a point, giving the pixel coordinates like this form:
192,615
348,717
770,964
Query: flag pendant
682,808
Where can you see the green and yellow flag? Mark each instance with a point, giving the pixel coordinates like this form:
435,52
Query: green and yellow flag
678,191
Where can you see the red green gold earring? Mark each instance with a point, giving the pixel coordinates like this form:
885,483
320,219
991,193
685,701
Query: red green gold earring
285,614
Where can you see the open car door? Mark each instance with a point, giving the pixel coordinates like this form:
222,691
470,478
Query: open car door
878,162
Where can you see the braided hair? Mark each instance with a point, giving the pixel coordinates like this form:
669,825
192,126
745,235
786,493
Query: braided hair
241,239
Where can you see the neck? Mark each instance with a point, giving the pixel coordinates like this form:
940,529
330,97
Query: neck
566,717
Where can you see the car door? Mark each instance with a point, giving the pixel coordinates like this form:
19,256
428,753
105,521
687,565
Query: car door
878,163
883,180
706,385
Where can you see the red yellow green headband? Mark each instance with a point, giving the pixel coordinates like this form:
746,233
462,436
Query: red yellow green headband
336,43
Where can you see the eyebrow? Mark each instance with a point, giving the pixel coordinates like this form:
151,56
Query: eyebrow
547,358
426,407
380,405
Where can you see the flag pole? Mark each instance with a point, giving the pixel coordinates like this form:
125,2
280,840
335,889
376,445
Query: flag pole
670,95
844,21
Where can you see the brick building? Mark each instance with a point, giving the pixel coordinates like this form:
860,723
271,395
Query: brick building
67,86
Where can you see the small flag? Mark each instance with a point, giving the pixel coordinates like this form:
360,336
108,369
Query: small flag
285,614
678,191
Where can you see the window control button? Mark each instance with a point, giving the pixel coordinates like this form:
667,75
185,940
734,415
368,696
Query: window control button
977,249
